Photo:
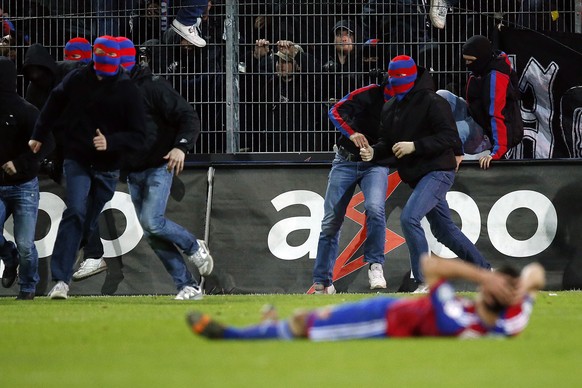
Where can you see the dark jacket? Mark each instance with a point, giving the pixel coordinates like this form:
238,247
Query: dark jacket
38,56
113,105
360,112
425,118
171,122
17,118
494,104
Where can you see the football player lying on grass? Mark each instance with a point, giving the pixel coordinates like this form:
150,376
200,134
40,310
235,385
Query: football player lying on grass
502,307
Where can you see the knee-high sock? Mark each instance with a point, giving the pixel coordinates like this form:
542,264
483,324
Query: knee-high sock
265,330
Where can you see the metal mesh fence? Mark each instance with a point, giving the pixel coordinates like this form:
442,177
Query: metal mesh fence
271,69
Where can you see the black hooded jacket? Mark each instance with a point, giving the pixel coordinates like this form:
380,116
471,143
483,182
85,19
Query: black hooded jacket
424,118
171,122
493,98
37,58
17,118
81,104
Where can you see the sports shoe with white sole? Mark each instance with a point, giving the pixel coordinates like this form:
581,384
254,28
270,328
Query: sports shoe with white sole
189,293
90,267
319,288
59,291
190,33
421,289
202,259
438,13
376,276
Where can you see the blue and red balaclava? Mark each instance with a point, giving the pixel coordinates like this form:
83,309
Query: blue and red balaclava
78,49
126,53
401,75
106,56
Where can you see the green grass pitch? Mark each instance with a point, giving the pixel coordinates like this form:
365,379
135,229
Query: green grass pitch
144,342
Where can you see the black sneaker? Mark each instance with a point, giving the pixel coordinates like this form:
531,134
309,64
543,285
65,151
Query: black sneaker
9,276
25,295
203,325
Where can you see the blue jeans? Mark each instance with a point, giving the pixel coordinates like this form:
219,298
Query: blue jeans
190,11
21,201
343,178
87,191
429,199
149,190
472,135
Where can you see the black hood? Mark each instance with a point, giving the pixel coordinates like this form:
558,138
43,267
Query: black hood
7,75
478,46
38,55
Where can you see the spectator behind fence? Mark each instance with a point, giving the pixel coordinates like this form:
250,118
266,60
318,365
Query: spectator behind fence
19,194
279,97
544,15
489,118
402,23
188,20
342,63
8,40
144,22
269,20
502,308
197,74
418,129
104,120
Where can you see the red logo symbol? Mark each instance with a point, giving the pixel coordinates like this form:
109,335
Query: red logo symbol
343,265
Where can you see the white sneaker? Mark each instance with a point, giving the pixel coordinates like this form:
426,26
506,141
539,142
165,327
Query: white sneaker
421,289
190,33
319,288
438,13
189,293
202,259
376,276
90,267
59,291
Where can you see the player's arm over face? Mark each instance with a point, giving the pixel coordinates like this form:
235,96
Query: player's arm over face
493,284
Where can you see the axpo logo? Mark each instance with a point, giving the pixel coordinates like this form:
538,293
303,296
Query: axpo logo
53,206
464,205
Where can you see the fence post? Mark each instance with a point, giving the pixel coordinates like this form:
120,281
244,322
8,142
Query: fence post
232,79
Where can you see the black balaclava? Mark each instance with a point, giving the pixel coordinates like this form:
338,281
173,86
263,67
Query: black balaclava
479,47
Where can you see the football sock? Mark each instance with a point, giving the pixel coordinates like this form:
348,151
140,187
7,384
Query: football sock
265,330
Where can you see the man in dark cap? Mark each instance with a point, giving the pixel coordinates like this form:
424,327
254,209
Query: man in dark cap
489,118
